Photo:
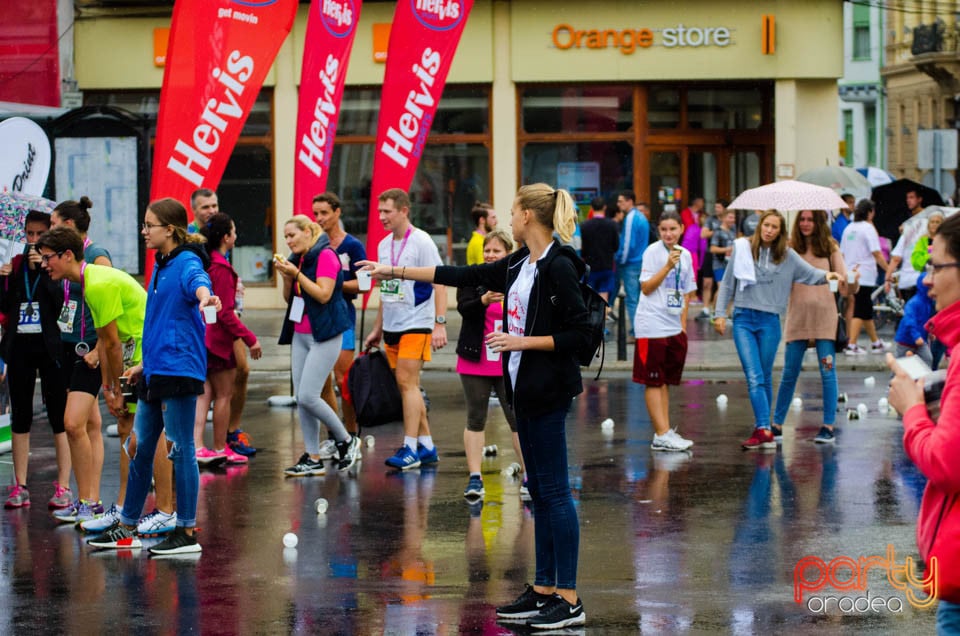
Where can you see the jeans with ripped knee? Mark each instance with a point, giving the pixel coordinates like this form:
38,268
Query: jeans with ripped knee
174,416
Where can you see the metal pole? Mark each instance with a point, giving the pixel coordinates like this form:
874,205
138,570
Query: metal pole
937,161
622,326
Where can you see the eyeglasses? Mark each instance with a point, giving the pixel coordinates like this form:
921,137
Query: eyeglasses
45,258
932,268
146,227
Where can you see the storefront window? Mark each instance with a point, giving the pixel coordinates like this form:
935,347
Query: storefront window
663,107
585,169
453,173
577,109
725,109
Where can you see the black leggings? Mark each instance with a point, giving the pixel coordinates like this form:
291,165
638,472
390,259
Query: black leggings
476,390
28,356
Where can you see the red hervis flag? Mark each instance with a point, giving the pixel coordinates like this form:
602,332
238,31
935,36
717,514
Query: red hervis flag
423,39
326,54
218,56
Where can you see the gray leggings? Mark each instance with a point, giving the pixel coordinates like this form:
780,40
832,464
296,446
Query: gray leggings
476,390
317,359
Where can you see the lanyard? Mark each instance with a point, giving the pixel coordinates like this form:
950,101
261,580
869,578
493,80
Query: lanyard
403,244
66,299
28,290
298,291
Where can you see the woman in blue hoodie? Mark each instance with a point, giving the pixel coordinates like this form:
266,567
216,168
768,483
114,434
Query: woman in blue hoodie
912,332
170,377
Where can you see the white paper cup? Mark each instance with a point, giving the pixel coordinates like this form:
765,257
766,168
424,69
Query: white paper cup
363,280
210,314
834,285
851,277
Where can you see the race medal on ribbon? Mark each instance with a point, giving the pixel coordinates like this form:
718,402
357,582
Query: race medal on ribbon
391,291
29,319
296,309
81,348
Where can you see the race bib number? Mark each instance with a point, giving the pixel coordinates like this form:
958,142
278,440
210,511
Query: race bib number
391,291
674,302
29,318
67,314
129,350
296,309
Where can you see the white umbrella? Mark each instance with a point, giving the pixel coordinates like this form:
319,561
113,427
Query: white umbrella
917,225
876,176
841,179
788,195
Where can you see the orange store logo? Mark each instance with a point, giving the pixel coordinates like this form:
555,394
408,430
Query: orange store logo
812,575
565,36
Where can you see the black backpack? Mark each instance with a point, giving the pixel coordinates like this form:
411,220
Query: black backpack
597,313
372,389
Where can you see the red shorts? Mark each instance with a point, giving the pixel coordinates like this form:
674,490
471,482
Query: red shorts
659,361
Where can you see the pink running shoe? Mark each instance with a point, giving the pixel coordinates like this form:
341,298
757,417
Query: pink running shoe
62,497
207,457
18,497
234,458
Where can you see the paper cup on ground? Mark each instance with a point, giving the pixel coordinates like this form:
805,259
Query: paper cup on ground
363,280
209,314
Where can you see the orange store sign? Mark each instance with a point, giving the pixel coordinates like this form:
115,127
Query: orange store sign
565,36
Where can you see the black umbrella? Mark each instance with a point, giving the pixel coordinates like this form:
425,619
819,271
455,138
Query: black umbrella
891,202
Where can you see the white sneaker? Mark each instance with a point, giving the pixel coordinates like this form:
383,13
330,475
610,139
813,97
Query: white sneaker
880,347
157,523
854,350
670,441
104,521
328,450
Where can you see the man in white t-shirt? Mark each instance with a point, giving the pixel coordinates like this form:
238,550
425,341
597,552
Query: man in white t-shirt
900,256
411,321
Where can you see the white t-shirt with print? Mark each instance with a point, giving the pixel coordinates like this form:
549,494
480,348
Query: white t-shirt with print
400,310
860,240
518,300
658,313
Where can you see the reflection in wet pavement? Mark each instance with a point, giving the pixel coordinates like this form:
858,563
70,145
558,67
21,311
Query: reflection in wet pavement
670,543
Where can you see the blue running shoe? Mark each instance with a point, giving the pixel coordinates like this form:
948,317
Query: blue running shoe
474,489
427,456
404,459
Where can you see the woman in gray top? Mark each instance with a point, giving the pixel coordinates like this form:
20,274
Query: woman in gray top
758,280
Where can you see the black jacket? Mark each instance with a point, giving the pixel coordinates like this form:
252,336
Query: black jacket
49,299
474,314
546,380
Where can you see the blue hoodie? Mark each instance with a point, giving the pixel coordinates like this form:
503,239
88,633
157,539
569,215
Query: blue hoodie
173,329
916,313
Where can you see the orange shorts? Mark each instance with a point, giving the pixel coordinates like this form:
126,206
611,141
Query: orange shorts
412,346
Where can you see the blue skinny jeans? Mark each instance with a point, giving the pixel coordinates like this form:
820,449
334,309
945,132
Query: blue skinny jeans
543,442
756,335
174,416
793,360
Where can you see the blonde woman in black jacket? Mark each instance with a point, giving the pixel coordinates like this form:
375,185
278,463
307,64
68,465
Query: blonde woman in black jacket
545,327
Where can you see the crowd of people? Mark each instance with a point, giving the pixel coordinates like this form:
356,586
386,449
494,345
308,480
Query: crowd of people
165,355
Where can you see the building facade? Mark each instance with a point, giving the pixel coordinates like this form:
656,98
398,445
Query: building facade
922,76
670,99
862,100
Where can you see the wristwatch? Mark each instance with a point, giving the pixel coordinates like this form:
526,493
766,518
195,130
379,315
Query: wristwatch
441,320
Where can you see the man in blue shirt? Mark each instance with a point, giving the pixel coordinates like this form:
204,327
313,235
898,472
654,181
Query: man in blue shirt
633,241
842,220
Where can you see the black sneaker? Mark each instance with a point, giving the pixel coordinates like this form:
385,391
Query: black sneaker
305,466
349,453
527,605
559,614
179,542
118,537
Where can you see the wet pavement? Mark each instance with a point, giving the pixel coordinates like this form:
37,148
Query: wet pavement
670,543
